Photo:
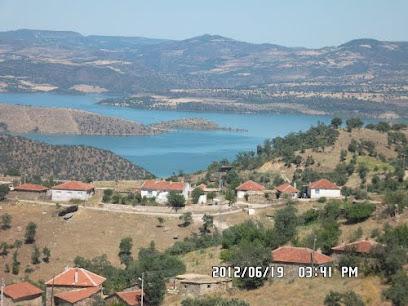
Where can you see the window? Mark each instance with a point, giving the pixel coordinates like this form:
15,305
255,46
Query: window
208,286
317,191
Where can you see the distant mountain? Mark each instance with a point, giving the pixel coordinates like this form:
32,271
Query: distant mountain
64,162
32,60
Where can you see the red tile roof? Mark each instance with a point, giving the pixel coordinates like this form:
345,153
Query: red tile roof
77,295
295,255
131,298
21,290
74,185
286,188
323,184
30,187
360,246
162,185
250,186
76,277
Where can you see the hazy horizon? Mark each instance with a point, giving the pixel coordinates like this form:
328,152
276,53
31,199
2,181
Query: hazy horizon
298,23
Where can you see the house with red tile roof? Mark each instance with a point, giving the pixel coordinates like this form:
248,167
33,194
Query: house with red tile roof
69,286
72,190
78,297
291,258
129,298
249,187
286,190
299,256
159,189
362,247
323,188
22,294
29,191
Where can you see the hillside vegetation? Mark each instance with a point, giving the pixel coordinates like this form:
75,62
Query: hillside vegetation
24,156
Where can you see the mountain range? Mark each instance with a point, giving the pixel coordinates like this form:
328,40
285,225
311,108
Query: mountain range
61,61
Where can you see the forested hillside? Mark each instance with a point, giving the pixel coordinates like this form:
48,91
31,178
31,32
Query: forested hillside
26,157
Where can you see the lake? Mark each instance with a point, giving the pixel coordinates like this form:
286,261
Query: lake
171,152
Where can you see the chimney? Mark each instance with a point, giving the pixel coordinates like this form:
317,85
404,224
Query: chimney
76,276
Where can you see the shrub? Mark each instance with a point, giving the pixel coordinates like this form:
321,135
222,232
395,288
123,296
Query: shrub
195,194
31,230
358,212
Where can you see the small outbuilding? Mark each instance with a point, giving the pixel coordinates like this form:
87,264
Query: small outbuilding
248,188
360,247
286,190
78,297
199,284
323,188
129,298
24,294
29,191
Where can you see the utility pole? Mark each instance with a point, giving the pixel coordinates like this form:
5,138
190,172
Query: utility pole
2,292
142,297
314,247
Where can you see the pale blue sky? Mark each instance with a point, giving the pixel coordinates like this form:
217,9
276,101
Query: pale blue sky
309,23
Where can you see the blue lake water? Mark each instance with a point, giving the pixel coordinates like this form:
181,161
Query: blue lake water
167,153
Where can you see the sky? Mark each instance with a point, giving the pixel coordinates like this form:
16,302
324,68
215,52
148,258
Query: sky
307,23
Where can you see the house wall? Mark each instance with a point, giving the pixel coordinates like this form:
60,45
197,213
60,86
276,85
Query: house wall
203,288
27,195
67,195
202,199
85,302
328,193
37,301
161,196
241,194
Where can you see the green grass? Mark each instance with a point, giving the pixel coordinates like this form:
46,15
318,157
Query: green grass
374,165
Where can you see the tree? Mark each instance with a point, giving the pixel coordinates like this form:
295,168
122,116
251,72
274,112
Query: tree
211,301
208,224
6,221
35,255
186,218
176,200
336,122
125,251
343,155
398,291
358,212
4,189
285,223
349,298
4,249
250,254
154,288
46,254
354,123
333,298
230,196
16,264
31,230
161,221
195,194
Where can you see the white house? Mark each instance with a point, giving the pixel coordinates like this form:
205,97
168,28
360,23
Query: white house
160,189
72,190
323,188
249,187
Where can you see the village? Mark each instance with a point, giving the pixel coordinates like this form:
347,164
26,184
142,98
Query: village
78,286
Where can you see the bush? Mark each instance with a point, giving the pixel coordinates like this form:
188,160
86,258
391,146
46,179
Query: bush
309,216
322,200
358,212
31,230
398,291
176,200
212,301
6,221
195,195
